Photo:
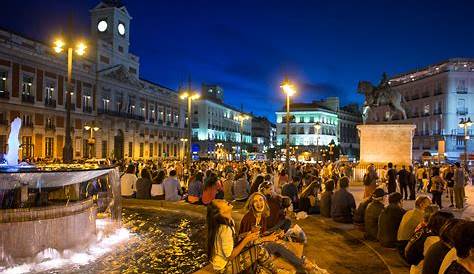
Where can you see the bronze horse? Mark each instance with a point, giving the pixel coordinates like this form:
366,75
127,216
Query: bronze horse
382,95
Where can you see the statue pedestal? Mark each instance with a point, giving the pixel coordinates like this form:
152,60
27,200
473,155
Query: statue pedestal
384,143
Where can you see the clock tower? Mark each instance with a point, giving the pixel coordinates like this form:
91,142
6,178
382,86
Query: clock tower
110,29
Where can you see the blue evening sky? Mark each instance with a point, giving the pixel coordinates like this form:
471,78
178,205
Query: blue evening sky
248,47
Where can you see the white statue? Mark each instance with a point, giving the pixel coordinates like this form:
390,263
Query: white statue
13,143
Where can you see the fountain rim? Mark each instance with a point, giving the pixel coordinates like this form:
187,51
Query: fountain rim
35,169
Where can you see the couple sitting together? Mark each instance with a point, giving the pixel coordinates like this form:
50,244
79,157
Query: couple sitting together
251,249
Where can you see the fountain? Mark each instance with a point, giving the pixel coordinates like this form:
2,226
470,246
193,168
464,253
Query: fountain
13,143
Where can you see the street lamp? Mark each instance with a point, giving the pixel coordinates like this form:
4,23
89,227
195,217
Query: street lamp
184,140
289,90
242,118
80,49
91,140
465,123
331,150
190,95
317,127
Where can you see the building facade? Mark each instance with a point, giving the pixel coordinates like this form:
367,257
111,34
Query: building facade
436,97
219,132
263,134
337,126
134,118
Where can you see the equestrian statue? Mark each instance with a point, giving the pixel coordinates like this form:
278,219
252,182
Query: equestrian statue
380,95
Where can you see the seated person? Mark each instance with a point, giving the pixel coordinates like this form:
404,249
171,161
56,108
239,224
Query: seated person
359,214
195,188
255,220
371,219
223,254
277,219
410,221
390,219
308,201
343,203
326,196
464,244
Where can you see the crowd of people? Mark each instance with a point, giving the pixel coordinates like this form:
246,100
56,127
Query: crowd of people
427,237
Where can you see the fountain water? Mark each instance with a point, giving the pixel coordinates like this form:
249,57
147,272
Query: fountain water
13,143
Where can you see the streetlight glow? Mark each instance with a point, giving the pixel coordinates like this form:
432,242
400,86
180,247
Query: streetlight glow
58,45
87,127
81,48
288,88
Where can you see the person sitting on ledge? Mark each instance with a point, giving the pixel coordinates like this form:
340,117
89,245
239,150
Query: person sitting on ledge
389,220
255,220
128,182
195,188
343,203
359,214
326,196
372,214
225,253
144,184
171,187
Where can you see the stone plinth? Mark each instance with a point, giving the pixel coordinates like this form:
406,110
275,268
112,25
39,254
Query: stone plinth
383,143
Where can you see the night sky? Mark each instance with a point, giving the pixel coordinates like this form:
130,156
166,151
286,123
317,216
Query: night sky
248,47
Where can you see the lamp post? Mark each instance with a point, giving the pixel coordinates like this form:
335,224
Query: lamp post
91,140
190,96
242,118
331,150
317,127
184,141
465,123
289,90
59,46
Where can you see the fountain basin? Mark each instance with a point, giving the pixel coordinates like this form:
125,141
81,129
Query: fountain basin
26,231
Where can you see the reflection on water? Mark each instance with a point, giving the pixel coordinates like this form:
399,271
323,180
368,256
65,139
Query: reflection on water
158,242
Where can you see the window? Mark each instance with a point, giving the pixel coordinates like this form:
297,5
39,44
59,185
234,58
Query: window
120,48
141,149
426,109
27,86
104,59
301,119
130,149
3,144
160,154
105,103
104,149
87,100
311,119
49,145
49,90
151,150
26,146
132,70
175,150
461,86
3,81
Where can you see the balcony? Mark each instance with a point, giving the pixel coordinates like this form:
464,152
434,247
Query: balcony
102,111
50,127
4,94
87,109
461,90
27,98
461,111
27,124
48,102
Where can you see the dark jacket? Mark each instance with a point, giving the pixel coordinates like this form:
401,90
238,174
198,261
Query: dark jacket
248,221
389,221
359,214
325,203
143,188
371,219
414,248
342,206
434,257
290,190
276,212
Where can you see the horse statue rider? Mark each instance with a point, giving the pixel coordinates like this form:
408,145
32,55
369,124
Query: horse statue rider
379,95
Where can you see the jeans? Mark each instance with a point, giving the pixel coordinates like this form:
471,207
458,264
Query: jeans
276,248
403,190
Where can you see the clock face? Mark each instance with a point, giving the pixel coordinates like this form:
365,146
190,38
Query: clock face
102,26
121,29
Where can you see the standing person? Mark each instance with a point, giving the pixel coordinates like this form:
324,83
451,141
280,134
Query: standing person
128,182
403,176
437,187
172,187
383,177
458,187
343,203
370,181
372,214
389,220
225,253
144,184
449,178
412,183
420,170
391,179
